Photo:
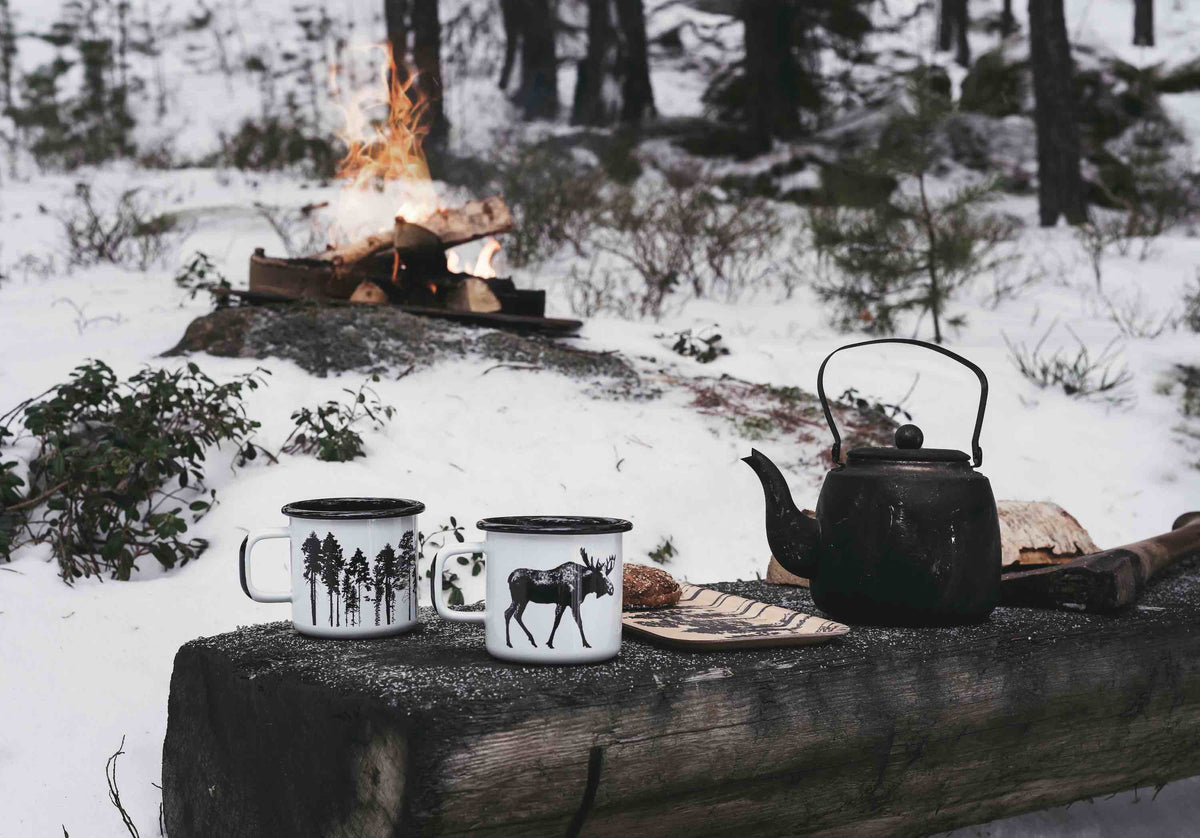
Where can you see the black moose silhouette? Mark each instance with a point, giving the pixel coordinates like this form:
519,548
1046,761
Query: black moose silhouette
565,586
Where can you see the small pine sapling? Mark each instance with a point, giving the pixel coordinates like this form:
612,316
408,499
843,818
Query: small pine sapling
913,253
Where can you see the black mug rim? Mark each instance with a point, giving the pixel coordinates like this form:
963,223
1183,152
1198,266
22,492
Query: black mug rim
352,509
554,524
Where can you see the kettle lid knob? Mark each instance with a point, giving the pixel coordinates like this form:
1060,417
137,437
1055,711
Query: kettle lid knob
909,436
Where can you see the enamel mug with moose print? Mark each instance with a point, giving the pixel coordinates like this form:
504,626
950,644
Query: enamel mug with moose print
553,587
354,566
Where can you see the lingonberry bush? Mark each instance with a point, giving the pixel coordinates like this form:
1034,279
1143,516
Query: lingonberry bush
117,469
328,429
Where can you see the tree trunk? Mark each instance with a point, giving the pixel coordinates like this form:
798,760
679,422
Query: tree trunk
538,94
945,30
636,93
510,13
614,77
1008,23
595,103
953,20
1060,186
395,16
772,73
427,61
1143,23
963,46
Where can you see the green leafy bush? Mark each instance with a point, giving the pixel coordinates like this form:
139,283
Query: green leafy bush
328,430
201,274
703,344
664,552
433,542
117,469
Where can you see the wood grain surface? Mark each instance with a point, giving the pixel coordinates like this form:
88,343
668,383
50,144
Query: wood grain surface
880,732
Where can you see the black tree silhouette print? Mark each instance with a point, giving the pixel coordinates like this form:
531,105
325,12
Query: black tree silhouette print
349,600
331,571
564,587
349,583
311,548
406,572
356,575
385,570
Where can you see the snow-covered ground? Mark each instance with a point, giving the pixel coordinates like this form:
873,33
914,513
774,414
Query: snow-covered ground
82,666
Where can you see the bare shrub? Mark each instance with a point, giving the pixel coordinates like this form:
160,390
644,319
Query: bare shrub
130,233
596,291
685,236
32,265
1080,375
1134,321
295,227
1100,233
554,199
1191,305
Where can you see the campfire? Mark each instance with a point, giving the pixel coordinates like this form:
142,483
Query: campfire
409,264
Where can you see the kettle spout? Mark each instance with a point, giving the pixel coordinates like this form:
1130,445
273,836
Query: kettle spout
792,535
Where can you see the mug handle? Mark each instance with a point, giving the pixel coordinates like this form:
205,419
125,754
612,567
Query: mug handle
435,583
244,564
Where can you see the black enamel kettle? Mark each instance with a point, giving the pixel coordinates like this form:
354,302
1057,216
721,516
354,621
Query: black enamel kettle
903,535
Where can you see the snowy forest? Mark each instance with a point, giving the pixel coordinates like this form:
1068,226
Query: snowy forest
518,257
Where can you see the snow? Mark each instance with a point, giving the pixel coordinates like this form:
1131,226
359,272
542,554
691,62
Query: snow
82,666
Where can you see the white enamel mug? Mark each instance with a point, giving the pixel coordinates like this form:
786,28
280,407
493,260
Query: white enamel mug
354,566
553,587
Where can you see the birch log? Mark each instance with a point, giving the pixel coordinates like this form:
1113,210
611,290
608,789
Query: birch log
454,226
473,220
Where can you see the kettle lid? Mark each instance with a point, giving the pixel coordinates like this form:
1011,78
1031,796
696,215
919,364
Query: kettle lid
908,450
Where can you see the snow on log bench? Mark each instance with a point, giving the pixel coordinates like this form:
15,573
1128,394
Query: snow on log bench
883,732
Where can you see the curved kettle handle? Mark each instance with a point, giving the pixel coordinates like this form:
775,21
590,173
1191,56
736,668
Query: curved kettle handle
983,391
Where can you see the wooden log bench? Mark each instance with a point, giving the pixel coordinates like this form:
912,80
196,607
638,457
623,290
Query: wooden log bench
883,732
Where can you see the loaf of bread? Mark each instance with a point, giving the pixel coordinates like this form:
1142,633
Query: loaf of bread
649,587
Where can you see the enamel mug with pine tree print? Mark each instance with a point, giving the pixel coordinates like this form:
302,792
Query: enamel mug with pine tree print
353,566
553,587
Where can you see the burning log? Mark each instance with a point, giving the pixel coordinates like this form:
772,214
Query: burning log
411,265
458,225
353,254
368,292
473,220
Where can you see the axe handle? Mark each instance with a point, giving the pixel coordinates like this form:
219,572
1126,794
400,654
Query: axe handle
1107,580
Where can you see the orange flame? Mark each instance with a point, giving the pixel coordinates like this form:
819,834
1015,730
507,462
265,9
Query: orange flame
483,264
384,171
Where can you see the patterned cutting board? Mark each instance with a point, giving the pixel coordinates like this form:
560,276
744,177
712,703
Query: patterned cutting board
708,619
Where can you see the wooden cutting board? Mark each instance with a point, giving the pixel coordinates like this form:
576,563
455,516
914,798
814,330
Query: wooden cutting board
708,619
